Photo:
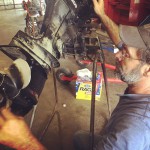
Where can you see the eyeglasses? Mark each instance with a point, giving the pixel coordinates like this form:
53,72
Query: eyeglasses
126,55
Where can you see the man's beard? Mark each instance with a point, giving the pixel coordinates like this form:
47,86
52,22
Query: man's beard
131,77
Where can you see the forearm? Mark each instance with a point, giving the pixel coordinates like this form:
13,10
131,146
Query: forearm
30,143
16,134
112,28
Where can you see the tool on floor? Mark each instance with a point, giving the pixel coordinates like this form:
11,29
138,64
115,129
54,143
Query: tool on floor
65,76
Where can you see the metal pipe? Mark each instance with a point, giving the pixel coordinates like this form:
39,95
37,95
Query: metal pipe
92,117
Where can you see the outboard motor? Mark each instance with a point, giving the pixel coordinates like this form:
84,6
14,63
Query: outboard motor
68,28
68,24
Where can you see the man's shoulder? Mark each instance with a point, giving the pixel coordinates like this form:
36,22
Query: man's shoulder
126,133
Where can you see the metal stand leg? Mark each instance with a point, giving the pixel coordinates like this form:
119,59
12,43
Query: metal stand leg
54,113
33,115
92,117
98,54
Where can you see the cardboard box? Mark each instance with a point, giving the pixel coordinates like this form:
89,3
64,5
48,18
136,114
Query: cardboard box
84,88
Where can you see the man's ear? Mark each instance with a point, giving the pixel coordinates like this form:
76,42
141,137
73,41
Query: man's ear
146,70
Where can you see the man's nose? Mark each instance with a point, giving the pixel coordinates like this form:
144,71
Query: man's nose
118,55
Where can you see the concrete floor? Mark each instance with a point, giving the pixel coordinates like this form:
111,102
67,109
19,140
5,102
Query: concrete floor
76,115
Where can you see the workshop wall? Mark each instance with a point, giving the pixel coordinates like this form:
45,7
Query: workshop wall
10,4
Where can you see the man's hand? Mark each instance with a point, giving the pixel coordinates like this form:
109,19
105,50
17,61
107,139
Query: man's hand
99,7
12,128
15,133
111,27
